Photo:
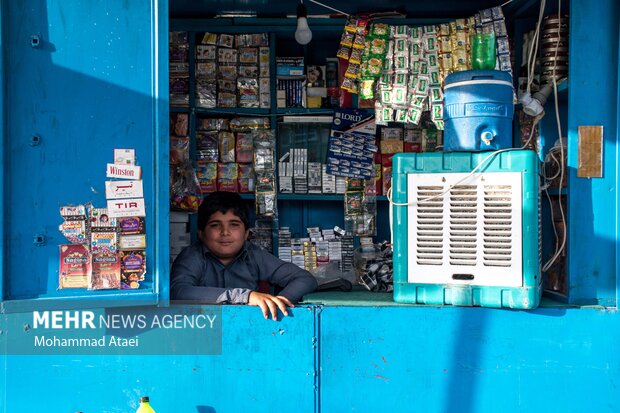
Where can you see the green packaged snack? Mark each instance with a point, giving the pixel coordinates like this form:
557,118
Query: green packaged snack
378,47
401,115
380,30
366,89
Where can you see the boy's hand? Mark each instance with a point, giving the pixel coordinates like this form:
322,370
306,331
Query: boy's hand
270,304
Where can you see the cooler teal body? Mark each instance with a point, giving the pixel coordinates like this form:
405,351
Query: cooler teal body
478,110
526,292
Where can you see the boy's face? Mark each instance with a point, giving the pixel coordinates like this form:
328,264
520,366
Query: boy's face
224,235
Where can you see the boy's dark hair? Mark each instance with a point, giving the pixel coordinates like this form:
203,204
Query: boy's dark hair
222,202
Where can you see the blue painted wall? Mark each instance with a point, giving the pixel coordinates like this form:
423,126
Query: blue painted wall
593,100
264,366
96,81
325,359
341,359
469,360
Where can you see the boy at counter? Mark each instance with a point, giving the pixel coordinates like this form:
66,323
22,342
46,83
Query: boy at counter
224,268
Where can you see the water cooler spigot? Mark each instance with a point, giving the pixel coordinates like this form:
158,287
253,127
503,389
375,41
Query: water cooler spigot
487,136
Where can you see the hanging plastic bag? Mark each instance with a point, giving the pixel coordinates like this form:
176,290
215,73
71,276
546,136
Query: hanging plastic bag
185,192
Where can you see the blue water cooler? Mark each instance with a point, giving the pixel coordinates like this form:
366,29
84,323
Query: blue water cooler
478,110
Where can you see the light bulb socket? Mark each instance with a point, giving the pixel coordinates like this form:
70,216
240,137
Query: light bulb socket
301,11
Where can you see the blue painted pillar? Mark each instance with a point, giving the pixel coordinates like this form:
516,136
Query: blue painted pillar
593,100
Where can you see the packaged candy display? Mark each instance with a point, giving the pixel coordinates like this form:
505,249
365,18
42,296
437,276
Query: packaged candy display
248,92
104,248
212,124
402,68
103,240
133,268
97,259
206,173
131,225
226,144
227,175
75,266
232,70
106,271
360,201
179,150
207,146
264,167
244,147
225,153
178,56
74,227
244,124
246,178
264,144
179,138
179,124
185,189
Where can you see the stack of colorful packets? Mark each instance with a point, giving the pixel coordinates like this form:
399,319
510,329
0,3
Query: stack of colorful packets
410,71
373,59
351,49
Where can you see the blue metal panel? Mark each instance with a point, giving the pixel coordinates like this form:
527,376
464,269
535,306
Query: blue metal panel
94,79
3,256
617,179
263,364
466,360
592,209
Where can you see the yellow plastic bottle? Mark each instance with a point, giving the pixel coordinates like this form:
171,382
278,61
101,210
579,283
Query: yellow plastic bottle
145,407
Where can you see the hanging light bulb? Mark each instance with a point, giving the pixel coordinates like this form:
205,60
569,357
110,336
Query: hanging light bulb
303,35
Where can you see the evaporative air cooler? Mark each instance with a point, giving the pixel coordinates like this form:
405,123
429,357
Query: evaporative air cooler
466,239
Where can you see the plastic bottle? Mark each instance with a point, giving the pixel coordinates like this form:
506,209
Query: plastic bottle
483,51
145,407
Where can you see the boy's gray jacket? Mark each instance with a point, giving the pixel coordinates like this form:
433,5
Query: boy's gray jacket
197,275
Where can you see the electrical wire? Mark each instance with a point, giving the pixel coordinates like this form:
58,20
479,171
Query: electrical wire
531,59
559,248
557,161
330,8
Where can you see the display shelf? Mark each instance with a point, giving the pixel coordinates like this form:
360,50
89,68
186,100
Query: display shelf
311,197
297,211
305,111
233,111
83,299
319,197
179,109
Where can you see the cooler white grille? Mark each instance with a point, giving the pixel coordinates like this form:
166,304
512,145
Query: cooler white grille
469,234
